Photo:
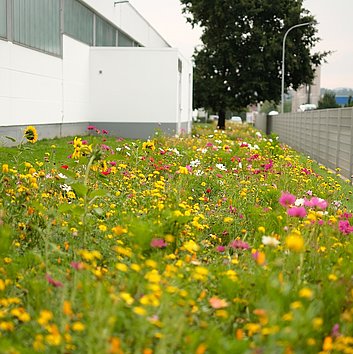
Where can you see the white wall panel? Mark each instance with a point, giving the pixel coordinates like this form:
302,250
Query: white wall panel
135,84
30,86
76,80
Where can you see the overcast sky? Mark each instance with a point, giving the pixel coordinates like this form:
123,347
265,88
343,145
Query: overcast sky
335,29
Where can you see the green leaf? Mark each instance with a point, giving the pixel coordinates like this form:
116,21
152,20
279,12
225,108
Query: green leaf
98,193
99,211
10,138
80,189
65,208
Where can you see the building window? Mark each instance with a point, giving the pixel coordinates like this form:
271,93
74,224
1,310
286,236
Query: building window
105,33
78,21
125,41
36,24
3,19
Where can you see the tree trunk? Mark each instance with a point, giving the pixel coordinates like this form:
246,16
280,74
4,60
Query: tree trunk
221,119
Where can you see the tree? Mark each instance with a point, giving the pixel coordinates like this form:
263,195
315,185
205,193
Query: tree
240,60
328,101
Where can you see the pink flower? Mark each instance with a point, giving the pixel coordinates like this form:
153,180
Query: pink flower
158,243
239,244
91,127
345,227
55,283
105,131
298,212
77,265
316,202
220,248
286,199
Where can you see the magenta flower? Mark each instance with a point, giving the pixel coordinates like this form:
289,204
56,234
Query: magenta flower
55,283
158,243
345,227
105,131
239,244
316,202
286,199
91,127
220,248
77,265
335,332
298,212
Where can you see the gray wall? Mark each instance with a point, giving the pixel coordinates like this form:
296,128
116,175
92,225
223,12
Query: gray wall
325,135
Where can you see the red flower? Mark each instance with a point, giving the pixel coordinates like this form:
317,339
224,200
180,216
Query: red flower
55,283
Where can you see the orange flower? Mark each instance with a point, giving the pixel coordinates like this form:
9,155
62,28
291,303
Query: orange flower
217,303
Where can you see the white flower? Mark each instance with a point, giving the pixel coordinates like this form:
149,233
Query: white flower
258,134
270,241
240,165
65,187
218,141
118,149
199,173
195,163
61,175
221,167
299,202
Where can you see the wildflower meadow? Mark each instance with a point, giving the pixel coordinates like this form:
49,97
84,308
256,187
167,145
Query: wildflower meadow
214,242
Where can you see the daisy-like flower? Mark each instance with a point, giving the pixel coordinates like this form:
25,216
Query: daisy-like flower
31,134
270,241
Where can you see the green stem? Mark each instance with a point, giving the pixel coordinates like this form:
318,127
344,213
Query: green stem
85,182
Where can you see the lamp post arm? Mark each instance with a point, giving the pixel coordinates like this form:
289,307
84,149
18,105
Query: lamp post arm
283,58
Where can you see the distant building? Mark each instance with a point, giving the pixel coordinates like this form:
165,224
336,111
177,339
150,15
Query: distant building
307,94
342,100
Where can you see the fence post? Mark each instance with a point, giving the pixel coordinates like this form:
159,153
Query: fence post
339,113
351,154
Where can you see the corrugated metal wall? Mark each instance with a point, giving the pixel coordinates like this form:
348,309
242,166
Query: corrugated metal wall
325,135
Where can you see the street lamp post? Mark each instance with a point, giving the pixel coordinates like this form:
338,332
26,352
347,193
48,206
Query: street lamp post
120,2
283,56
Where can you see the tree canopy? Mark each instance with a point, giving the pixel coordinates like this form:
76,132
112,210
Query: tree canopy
328,101
240,60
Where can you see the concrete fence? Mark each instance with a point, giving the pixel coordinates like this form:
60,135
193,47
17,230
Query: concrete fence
325,135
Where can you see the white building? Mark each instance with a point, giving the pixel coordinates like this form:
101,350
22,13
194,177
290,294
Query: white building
67,64
307,95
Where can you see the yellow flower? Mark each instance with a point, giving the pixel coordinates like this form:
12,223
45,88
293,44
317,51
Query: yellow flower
261,229
5,168
306,293
191,246
31,134
148,145
227,220
139,311
332,277
317,322
119,230
102,228
78,326
44,317
7,326
122,267
183,170
127,298
21,314
295,243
